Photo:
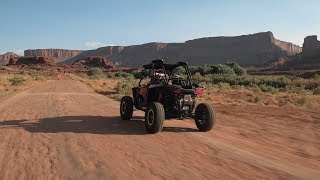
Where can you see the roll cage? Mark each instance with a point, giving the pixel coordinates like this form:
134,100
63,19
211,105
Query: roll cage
150,70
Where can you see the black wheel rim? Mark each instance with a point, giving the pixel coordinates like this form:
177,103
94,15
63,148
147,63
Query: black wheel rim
202,116
150,117
123,107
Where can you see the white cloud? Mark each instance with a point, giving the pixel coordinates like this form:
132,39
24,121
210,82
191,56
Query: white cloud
19,52
96,44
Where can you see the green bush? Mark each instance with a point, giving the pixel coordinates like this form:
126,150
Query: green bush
16,80
222,69
303,101
224,85
295,89
179,70
194,69
205,69
136,74
238,70
125,85
316,90
256,99
123,74
255,88
197,77
96,73
237,87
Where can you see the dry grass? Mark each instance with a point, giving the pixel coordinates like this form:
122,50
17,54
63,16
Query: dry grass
223,95
104,86
11,83
14,80
247,97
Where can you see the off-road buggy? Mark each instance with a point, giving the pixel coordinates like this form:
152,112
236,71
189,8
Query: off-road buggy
166,91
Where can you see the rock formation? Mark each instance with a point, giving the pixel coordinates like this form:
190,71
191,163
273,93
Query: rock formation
4,59
31,61
58,55
309,58
247,50
311,48
94,62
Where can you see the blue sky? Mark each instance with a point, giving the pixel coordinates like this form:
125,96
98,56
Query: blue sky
84,24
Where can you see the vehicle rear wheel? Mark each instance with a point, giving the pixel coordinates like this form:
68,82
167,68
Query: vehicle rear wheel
205,117
154,117
126,108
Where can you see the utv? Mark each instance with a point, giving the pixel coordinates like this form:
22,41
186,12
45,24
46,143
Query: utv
166,91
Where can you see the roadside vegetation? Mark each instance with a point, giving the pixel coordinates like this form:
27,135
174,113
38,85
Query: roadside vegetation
227,83
13,80
96,73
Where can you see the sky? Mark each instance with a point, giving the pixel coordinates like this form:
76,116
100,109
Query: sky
84,24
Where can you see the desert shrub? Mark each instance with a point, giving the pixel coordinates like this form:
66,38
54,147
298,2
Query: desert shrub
125,85
302,101
237,87
238,70
263,87
197,77
205,69
274,82
295,89
267,88
136,74
179,70
194,69
255,88
222,85
208,86
316,90
123,74
229,68
96,73
16,80
256,99
222,69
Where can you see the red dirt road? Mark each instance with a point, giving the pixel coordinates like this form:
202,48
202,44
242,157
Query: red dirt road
63,130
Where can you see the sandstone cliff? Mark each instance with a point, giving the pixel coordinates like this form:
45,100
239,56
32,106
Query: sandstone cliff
308,59
247,50
4,59
94,62
58,55
31,61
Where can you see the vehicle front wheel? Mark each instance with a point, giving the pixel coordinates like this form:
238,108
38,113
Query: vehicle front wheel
126,108
154,117
205,117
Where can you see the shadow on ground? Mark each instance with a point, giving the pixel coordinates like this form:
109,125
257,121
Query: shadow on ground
86,124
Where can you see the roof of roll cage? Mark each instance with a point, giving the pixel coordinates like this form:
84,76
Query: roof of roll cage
158,64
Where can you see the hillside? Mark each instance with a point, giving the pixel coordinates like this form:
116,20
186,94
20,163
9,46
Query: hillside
247,50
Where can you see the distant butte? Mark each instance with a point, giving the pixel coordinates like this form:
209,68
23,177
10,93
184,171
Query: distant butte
255,49
260,49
